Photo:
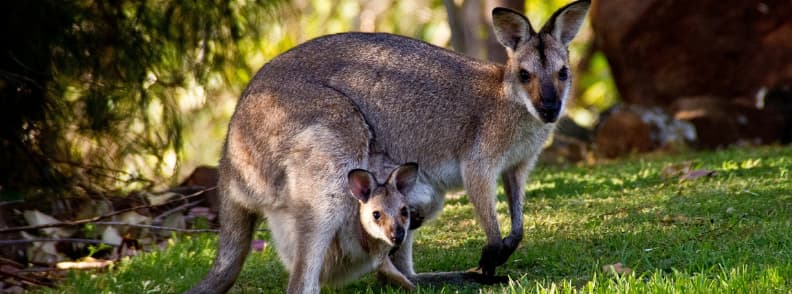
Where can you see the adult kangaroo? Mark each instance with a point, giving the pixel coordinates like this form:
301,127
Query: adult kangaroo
324,107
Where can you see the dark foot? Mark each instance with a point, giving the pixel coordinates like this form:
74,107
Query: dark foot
493,256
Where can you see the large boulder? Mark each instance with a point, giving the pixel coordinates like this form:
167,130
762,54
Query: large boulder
733,52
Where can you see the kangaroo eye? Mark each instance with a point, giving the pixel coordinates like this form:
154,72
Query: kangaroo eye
563,74
376,215
404,211
525,76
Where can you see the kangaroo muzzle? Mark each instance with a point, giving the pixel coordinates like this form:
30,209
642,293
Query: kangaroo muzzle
397,236
549,106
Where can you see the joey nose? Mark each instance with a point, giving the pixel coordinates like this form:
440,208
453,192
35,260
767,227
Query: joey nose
398,235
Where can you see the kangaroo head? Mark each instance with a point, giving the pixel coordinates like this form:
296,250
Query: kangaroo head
537,72
384,211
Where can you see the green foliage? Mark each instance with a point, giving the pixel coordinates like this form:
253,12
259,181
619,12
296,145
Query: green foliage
93,90
102,95
723,234
599,90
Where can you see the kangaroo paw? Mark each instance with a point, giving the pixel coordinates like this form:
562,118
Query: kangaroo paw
496,255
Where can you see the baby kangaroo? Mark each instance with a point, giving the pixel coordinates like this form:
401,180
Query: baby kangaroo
383,218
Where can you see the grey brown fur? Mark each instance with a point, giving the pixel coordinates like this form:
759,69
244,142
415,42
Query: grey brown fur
322,108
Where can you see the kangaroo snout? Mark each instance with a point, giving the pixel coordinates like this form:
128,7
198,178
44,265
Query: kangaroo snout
549,103
549,110
397,236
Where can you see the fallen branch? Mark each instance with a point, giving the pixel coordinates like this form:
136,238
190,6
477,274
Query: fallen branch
98,218
158,227
153,227
41,269
26,279
72,240
13,263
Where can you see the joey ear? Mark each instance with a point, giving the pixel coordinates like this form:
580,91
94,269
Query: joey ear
404,177
566,21
511,27
361,184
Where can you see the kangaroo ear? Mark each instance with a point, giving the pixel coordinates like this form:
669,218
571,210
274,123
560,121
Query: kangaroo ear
565,22
511,27
361,184
404,177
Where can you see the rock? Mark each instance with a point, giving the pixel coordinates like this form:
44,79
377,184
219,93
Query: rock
629,128
622,132
736,55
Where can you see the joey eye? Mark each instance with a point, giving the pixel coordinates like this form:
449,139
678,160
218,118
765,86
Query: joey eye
563,74
525,76
376,215
404,211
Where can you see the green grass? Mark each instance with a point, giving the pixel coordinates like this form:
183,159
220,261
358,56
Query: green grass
729,233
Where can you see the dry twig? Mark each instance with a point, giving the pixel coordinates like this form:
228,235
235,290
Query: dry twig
13,263
72,240
158,227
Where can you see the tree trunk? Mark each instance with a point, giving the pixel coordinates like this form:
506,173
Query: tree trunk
471,27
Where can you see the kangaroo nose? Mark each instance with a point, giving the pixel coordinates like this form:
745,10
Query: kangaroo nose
548,96
398,236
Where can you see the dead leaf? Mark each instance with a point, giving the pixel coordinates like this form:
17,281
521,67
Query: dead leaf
692,175
84,263
679,219
36,218
676,169
111,236
134,218
158,199
175,220
617,269
202,211
684,220
42,252
685,172
259,245
95,208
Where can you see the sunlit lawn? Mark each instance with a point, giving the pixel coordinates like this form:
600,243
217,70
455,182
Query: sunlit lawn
728,233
